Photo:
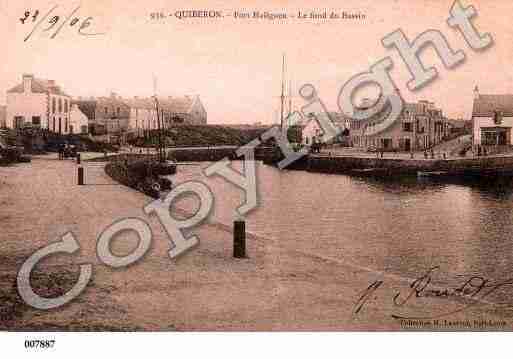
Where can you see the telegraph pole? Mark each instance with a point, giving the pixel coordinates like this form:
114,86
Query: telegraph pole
159,136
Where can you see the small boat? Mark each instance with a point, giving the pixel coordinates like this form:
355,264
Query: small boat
431,173
370,171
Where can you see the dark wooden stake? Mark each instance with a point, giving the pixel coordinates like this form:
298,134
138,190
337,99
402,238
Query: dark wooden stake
80,176
239,239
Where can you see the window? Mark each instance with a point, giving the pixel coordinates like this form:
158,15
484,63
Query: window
53,105
66,106
420,128
60,105
177,119
66,125
118,111
106,111
407,127
18,121
36,120
497,117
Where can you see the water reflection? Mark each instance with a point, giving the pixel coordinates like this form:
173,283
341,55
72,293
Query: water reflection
402,226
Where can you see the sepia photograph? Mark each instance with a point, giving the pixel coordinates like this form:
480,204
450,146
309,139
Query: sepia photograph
255,168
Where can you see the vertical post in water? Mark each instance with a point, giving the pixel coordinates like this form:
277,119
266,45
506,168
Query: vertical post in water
78,158
239,238
80,176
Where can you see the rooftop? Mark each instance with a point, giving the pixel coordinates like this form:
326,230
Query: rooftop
485,105
171,104
40,86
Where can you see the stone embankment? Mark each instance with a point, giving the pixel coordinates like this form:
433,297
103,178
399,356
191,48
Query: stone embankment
476,166
212,154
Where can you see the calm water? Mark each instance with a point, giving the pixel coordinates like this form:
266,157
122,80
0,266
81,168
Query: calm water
402,227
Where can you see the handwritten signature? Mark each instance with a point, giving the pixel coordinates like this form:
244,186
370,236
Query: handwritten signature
55,23
475,288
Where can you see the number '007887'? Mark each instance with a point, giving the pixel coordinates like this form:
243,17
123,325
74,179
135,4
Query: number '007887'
39,344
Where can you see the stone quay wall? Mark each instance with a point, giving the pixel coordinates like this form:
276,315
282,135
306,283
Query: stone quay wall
215,154
389,166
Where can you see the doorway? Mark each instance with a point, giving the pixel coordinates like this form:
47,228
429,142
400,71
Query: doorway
407,145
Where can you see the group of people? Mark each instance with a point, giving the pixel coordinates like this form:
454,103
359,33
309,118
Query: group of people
481,151
66,150
427,154
431,154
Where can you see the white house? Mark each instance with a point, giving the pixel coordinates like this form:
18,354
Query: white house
40,103
79,123
492,119
312,131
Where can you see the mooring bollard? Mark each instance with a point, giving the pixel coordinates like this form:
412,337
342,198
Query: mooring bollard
80,176
78,158
239,238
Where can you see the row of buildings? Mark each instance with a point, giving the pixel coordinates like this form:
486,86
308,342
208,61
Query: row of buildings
42,103
420,126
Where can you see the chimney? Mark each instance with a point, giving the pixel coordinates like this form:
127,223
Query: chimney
27,83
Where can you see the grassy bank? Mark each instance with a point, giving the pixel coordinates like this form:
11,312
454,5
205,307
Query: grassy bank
203,135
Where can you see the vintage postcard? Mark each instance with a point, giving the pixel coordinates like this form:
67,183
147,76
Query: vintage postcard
256,166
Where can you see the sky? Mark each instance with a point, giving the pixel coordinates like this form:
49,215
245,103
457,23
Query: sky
235,64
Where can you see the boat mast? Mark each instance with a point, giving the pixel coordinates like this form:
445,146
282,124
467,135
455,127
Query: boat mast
290,97
160,151
282,91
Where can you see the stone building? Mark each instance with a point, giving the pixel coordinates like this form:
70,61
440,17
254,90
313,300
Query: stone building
105,114
79,121
173,110
142,114
39,103
187,109
3,115
420,126
115,114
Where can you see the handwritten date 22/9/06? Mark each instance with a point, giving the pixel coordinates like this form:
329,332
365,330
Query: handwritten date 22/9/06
51,22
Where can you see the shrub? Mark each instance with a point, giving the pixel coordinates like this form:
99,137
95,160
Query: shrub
142,175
